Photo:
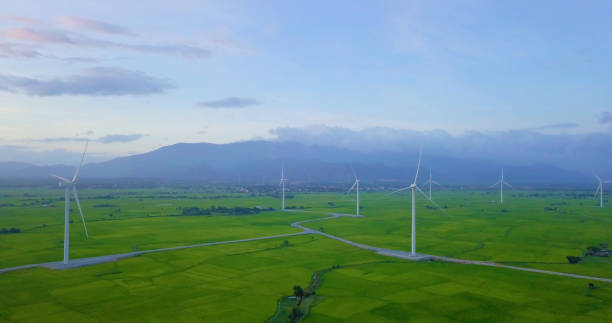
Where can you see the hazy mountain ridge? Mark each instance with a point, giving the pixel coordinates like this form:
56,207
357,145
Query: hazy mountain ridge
260,161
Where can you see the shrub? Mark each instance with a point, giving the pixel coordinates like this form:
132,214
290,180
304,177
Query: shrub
594,248
192,211
574,259
11,230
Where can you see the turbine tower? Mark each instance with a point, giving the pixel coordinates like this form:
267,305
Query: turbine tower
282,185
430,181
414,188
501,184
600,190
356,187
70,185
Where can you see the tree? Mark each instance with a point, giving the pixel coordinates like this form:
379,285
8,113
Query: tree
298,292
574,259
192,211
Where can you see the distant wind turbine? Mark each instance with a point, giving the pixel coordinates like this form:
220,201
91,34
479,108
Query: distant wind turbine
430,181
282,185
600,188
501,183
414,188
356,187
70,185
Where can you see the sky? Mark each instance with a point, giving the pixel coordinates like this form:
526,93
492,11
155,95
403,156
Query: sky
131,77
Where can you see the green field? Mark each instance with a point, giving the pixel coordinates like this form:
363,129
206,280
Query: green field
141,220
532,229
245,281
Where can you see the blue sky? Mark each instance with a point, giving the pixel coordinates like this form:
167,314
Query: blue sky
133,77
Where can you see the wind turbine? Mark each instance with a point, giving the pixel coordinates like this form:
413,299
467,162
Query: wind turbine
430,181
356,187
501,183
282,185
600,190
414,188
70,185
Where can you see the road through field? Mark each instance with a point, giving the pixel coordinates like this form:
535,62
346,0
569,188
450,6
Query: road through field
420,257
382,251
75,263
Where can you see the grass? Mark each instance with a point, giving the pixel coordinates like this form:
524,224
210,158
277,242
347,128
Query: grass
474,226
243,282
443,292
141,220
239,282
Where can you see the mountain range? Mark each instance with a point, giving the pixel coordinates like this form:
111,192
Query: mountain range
256,162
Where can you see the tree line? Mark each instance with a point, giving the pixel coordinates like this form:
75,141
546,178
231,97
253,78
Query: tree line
236,210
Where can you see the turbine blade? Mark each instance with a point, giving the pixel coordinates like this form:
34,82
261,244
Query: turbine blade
435,183
76,174
598,178
76,198
431,201
352,187
401,189
353,170
597,191
496,183
416,176
512,187
422,193
60,178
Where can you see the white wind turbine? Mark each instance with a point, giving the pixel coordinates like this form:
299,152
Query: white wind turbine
414,188
282,185
600,190
430,181
501,183
356,187
70,185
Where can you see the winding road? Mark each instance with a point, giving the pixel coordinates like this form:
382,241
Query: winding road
382,251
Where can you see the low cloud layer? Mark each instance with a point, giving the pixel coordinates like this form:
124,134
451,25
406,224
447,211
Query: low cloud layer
45,157
63,139
120,138
568,125
583,152
108,139
229,103
99,81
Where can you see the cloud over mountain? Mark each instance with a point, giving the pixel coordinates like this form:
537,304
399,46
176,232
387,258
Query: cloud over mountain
586,152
